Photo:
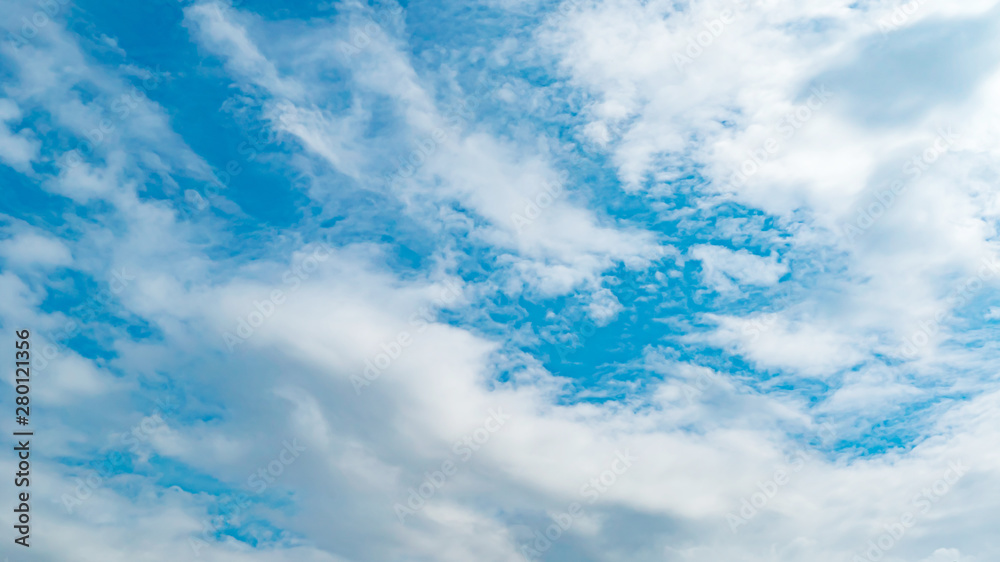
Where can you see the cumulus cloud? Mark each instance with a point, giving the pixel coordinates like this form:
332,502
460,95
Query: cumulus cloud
724,269
28,248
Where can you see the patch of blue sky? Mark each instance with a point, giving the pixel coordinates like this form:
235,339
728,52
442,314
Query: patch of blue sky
106,462
570,344
879,437
259,534
276,10
234,511
460,26
91,328
71,289
170,472
195,103
22,199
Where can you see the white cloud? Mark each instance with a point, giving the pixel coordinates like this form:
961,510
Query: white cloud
722,266
604,307
556,250
17,150
31,248
698,453
775,341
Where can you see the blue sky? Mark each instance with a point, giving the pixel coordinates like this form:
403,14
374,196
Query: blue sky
505,281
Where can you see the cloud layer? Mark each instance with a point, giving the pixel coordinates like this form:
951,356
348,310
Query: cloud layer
584,281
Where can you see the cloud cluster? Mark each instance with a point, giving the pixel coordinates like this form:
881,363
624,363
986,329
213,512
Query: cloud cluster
358,330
